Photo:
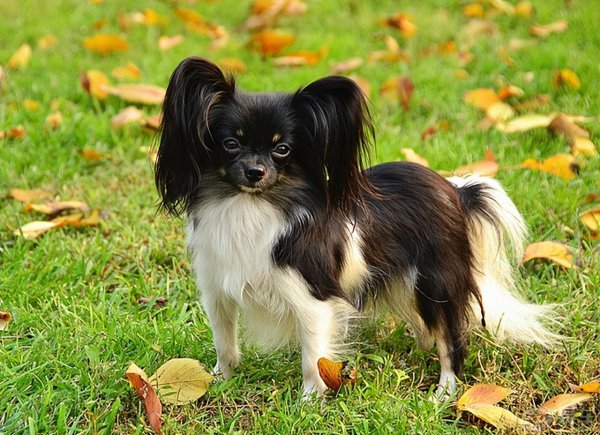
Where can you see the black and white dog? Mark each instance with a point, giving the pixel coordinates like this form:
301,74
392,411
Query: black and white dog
286,227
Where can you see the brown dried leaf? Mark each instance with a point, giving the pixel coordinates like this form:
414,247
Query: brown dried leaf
411,156
159,301
52,208
556,252
266,12
398,89
543,31
558,404
566,77
129,71
95,83
482,394
17,132
300,58
34,229
54,120
92,220
20,58
151,123
104,43
347,65
488,167
271,42
68,219
181,380
127,115
336,374
139,381
28,196
401,22
167,42
138,93
498,417
562,165
589,387
509,91
5,319
93,155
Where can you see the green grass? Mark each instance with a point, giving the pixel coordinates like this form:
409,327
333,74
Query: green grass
73,293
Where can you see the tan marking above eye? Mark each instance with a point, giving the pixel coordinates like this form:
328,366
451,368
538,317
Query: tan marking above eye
239,132
276,137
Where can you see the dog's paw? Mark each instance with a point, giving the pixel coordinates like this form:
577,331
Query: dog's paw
226,368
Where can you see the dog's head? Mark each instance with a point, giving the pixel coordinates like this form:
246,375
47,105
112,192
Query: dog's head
257,143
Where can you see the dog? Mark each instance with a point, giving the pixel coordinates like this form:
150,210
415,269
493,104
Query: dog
288,232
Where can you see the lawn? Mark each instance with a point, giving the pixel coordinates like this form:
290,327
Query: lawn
73,293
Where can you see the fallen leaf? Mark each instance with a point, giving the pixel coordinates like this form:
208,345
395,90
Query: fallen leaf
556,252
27,196
181,380
270,42
476,28
104,43
52,208
583,146
159,301
393,53
167,42
92,220
429,132
473,10
93,155
17,132
543,31
34,229
68,219
266,12
336,374
95,83
401,22
47,41
562,165
129,71
589,387
153,18
482,98
498,417
31,105
509,91
362,83
127,115
483,394
151,123
566,77
5,319
525,123
558,404
487,167
141,384
99,24
534,103
411,156
523,9
398,89
54,120
499,112
300,58
347,65
20,58
591,219
137,93
232,64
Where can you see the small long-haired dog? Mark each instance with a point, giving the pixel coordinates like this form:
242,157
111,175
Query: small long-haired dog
286,227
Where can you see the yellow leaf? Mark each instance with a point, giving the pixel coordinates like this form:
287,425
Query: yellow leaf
300,58
153,18
482,394
499,112
591,218
104,43
167,42
583,146
138,93
20,58
411,156
181,380
401,22
5,319
271,42
543,31
126,116
232,64
524,9
589,387
556,252
54,120
482,98
68,219
560,403
47,41
27,196
473,10
95,83
139,381
567,77
129,71
562,165
509,91
31,105
525,123
498,417
55,207
92,155
34,229
92,220
335,374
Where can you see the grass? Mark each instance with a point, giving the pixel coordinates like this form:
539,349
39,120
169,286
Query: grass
73,293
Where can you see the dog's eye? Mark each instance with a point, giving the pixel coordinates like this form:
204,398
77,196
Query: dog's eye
231,145
282,150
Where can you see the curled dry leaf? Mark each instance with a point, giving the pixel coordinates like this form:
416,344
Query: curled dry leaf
401,22
591,219
151,123
139,381
336,374
474,10
411,156
347,65
95,83
52,208
126,116
20,58
482,394
589,387
398,89
556,252
498,417
34,229
543,31
92,155
509,91
558,404
28,196
482,98
129,71
167,42
5,319
181,380
566,77
266,12
562,165
138,93
301,58
104,43
271,42
525,123
487,167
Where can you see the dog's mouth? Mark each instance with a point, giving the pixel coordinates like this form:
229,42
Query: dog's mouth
250,189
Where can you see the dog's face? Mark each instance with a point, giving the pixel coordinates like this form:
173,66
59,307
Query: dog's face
258,143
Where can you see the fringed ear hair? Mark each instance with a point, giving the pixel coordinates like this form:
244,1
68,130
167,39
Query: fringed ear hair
335,118
195,87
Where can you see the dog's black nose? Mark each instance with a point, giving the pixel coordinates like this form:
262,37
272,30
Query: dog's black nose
254,173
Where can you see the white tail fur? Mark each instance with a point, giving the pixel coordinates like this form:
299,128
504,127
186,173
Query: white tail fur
495,221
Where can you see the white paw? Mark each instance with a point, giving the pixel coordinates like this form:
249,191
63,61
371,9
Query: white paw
226,368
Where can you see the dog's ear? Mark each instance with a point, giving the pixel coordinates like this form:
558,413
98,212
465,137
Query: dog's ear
196,87
335,118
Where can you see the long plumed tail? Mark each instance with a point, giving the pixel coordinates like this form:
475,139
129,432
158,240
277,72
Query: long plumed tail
497,233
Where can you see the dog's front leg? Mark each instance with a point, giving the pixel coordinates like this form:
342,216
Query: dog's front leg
223,316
